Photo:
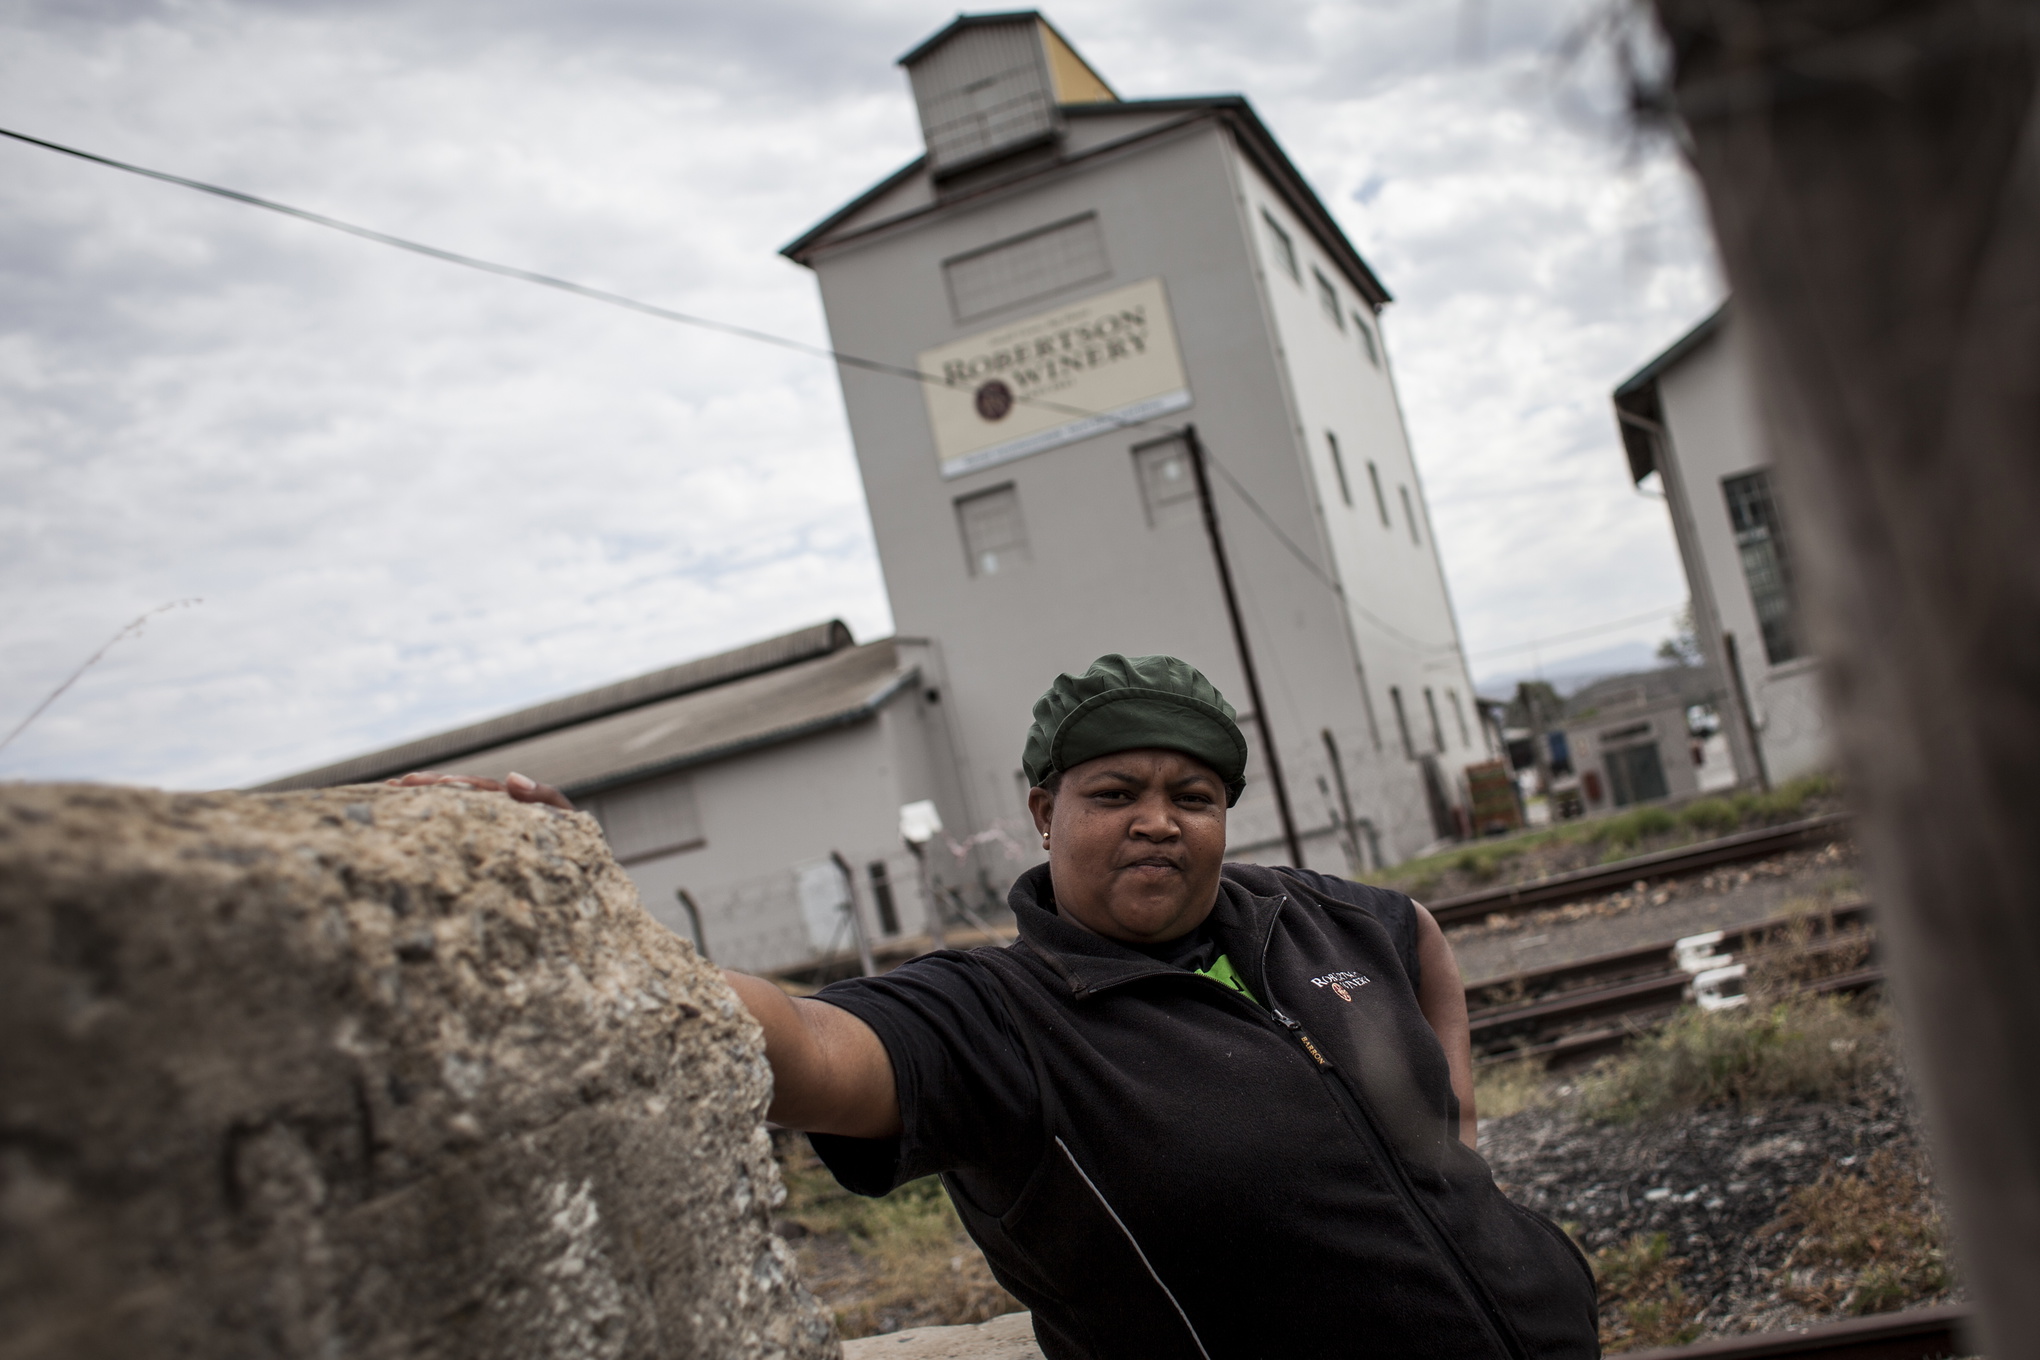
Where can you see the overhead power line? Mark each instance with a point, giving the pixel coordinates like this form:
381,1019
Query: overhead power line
709,323
1577,633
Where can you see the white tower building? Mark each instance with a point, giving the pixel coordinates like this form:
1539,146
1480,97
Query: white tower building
1084,276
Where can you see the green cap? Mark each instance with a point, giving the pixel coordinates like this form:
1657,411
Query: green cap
1128,703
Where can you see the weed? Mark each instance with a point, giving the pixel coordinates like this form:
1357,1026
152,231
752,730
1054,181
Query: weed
1811,1047
1604,839
1711,816
1505,1088
1642,1301
908,1260
1869,1241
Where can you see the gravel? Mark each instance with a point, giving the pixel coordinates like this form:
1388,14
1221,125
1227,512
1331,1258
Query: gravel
1712,1180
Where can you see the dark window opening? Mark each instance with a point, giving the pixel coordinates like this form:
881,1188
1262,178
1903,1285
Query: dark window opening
1410,514
1402,722
881,894
1367,340
1636,774
1339,466
1328,298
1766,563
1285,249
1380,501
1437,730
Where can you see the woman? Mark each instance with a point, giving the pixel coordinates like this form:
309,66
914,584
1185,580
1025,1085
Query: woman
1197,1109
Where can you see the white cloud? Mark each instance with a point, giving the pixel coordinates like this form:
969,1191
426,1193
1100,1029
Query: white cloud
412,495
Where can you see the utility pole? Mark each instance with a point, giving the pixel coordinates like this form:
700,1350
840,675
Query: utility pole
1239,632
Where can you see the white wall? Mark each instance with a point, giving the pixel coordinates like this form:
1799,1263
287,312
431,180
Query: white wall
764,813
1711,420
1398,605
1101,579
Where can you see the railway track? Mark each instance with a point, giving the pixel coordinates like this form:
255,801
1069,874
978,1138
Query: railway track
1574,1010
1688,859
1920,1334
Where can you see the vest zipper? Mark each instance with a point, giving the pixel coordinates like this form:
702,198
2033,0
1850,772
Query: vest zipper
1363,1124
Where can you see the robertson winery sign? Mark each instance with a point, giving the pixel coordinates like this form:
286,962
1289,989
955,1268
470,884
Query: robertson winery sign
1053,379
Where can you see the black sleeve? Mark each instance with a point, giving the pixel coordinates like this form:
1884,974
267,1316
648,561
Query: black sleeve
966,1088
1396,912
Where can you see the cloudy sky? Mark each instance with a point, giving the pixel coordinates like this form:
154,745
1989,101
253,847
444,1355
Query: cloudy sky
410,496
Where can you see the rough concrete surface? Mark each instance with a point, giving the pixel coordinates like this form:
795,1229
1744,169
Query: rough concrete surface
1010,1337
368,1072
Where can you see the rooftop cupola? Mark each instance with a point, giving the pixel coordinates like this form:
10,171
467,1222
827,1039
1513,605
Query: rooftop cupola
991,84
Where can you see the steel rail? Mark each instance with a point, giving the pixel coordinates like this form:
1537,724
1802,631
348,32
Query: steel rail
1660,864
1640,983
1918,1334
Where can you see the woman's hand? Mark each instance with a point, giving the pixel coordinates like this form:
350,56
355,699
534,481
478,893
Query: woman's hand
523,788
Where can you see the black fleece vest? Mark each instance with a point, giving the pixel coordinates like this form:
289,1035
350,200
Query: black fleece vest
1219,1179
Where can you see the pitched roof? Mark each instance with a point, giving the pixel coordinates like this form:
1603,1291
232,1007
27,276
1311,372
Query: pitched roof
442,748
1638,413
693,729
1230,110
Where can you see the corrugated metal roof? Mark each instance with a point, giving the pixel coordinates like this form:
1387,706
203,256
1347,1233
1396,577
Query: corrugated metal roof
710,724
444,748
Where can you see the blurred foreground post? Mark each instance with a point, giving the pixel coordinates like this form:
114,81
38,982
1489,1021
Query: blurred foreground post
1873,173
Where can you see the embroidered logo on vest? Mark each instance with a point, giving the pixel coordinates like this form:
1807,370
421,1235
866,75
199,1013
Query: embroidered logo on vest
1343,984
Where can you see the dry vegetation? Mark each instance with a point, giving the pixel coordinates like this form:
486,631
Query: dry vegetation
1603,840
883,1264
1810,1195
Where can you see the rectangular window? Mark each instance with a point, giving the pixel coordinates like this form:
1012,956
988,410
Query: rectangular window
1459,713
1339,466
1636,774
1410,514
1402,722
1437,729
1328,298
1380,501
1285,249
643,821
1367,340
1168,484
1766,564
994,535
1026,267
881,894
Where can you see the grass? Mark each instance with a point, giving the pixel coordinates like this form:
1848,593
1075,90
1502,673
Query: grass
1642,1301
1607,839
906,1260
1505,1088
1815,1048
1870,1241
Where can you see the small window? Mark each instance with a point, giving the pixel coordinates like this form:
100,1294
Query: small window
1367,340
644,821
1026,267
1380,501
1402,722
1339,466
881,895
1328,298
1410,514
1285,249
1767,566
1459,713
1437,729
994,535
1168,484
